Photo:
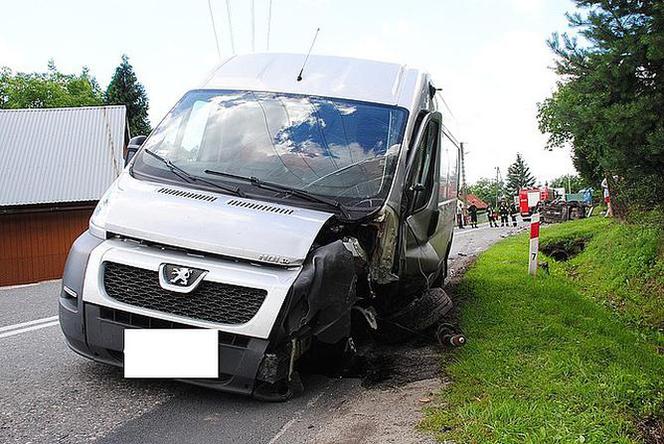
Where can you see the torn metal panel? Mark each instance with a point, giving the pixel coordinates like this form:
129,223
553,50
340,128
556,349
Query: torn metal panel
323,294
382,261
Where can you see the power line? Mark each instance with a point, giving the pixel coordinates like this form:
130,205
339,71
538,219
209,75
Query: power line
269,22
253,26
230,25
214,30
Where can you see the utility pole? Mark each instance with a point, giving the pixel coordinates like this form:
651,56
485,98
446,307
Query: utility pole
463,170
497,175
569,187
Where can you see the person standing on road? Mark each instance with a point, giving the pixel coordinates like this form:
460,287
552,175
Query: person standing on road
459,214
504,212
513,212
472,210
490,214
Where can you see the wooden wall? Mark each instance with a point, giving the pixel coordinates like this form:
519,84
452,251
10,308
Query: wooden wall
34,245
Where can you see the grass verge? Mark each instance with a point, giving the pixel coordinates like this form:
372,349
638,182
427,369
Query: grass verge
546,363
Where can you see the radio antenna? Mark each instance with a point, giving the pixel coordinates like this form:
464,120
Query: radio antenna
299,76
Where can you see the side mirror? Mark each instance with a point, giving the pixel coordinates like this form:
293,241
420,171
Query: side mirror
132,147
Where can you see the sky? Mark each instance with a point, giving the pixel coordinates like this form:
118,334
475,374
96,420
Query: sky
489,56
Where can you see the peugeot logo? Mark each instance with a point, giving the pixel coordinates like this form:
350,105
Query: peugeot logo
179,278
181,274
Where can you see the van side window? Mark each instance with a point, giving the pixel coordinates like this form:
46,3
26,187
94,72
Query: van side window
424,169
449,169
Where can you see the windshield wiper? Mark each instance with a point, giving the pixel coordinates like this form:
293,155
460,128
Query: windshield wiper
288,190
188,177
345,168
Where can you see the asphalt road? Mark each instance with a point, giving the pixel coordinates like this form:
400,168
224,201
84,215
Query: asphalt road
48,394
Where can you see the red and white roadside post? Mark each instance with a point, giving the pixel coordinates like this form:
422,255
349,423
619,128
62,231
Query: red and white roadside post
534,243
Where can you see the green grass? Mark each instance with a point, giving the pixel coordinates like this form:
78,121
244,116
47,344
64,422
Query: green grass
622,266
545,362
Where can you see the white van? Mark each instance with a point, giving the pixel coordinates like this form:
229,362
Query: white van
268,207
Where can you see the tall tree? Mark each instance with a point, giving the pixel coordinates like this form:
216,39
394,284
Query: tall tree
48,89
125,89
518,176
609,103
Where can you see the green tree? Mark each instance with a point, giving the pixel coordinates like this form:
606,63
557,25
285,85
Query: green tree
518,176
48,89
125,89
609,103
487,189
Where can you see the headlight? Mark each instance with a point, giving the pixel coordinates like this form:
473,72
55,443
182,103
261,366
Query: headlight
99,216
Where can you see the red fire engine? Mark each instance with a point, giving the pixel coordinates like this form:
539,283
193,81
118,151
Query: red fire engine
529,198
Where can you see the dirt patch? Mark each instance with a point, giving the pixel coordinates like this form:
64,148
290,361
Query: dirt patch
380,416
651,430
397,365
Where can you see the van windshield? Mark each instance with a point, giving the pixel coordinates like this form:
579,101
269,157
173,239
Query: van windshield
336,148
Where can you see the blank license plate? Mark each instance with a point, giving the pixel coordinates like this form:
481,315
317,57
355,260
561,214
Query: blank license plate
173,353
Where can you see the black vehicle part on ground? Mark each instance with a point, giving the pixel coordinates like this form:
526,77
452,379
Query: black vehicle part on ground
422,313
450,335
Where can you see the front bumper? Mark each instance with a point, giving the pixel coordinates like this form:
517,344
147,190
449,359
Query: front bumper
93,323
313,300
97,333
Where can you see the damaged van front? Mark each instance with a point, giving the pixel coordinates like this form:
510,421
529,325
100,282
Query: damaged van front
267,208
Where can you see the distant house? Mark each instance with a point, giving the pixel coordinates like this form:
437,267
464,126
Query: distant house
55,164
471,199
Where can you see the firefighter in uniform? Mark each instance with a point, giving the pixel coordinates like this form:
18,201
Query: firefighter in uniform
504,213
513,212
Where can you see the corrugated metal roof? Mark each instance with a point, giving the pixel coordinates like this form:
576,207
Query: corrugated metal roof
58,155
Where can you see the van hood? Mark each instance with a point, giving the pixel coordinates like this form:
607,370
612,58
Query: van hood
208,222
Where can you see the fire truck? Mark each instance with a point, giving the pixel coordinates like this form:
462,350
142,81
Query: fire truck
530,198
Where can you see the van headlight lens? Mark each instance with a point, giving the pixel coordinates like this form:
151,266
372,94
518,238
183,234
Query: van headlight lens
99,216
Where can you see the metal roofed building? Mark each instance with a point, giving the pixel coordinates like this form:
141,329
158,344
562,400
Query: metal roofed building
55,164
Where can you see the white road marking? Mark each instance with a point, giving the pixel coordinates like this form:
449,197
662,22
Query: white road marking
27,329
25,324
23,327
296,418
283,430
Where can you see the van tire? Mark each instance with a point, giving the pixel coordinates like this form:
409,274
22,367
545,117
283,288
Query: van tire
420,314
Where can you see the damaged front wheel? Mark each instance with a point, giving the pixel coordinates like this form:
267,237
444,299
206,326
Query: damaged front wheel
422,313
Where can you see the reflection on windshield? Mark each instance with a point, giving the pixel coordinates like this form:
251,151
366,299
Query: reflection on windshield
331,147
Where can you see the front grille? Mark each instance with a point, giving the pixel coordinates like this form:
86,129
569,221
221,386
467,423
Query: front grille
127,319
210,301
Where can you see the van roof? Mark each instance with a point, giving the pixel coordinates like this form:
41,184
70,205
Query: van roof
325,76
